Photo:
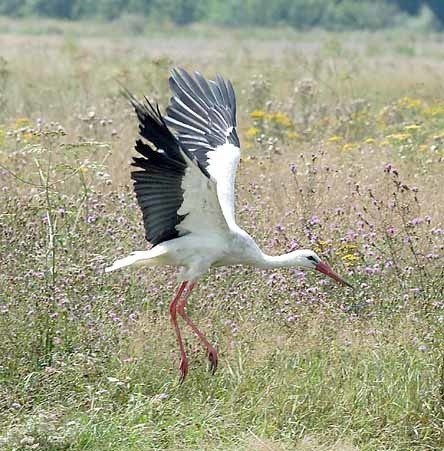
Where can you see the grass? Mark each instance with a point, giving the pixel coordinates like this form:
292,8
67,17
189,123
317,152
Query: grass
343,147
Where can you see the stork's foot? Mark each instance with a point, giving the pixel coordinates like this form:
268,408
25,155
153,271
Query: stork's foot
213,357
183,367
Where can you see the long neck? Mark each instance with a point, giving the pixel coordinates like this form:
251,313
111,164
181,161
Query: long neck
279,261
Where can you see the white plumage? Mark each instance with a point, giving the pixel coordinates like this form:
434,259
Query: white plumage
185,187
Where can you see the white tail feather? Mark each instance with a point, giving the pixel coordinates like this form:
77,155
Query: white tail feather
136,258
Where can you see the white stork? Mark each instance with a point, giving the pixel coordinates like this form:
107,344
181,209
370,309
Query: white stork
185,188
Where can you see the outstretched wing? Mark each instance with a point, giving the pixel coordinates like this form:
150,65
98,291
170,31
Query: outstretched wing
204,115
175,192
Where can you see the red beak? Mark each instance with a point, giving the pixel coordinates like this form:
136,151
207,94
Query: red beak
325,269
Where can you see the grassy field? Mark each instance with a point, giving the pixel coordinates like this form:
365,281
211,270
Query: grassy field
343,152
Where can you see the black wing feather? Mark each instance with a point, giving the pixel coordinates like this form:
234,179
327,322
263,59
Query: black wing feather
158,179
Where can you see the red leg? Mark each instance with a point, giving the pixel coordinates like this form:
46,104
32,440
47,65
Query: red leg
173,312
212,353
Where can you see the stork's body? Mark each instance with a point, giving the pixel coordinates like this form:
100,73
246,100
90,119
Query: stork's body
185,187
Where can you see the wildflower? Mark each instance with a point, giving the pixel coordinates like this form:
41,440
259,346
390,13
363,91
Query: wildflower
293,168
349,258
339,211
399,137
389,168
392,231
293,245
335,138
434,111
258,114
432,256
252,132
22,122
314,220
412,127
416,221
369,141
281,119
349,146
410,103
294,135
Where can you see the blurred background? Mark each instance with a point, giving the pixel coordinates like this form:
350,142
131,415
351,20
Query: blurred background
329,14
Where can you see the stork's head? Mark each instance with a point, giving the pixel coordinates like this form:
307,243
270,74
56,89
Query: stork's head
310,260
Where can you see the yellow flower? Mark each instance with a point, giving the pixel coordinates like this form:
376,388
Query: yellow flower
410,103
348,246
335,138
412,127
22,122
252,132
435,110
258,114
281,119
349,258
369,141
398,136
349,146
294,135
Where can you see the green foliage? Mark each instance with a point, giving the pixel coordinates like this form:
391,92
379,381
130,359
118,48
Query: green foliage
50,8
12,7
330,14
437,6
350,14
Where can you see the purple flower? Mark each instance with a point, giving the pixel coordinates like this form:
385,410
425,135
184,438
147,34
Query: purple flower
314,220
293,168
388,167
416,221
432,256
133,316
392,231
293,245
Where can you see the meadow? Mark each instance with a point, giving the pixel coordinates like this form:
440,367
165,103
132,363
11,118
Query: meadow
343,152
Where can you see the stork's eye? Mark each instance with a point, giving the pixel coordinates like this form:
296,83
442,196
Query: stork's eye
311,258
